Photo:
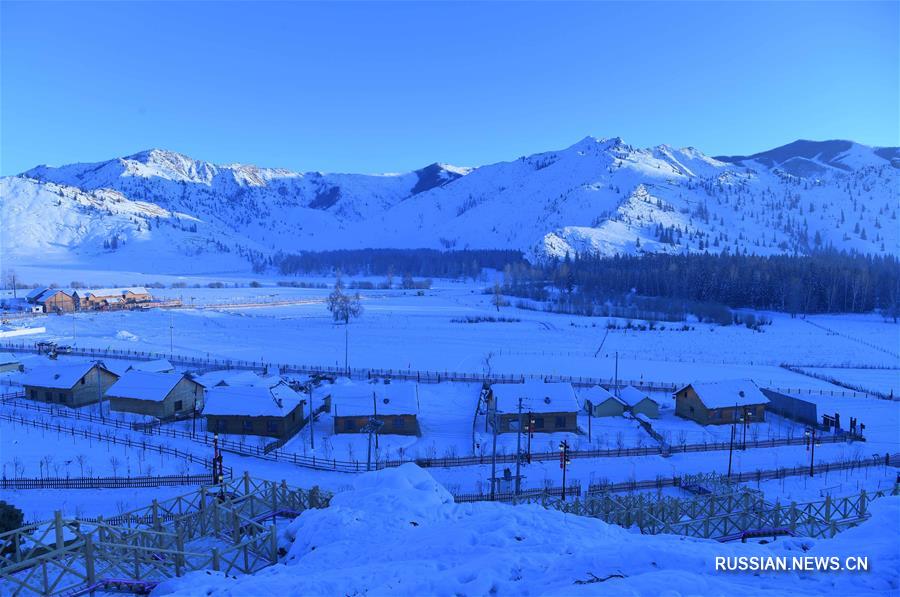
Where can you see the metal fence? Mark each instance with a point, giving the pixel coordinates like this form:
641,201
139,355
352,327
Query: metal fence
105,482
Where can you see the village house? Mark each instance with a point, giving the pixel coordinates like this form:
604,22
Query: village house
722,402
111,298
600,402
394,404
157,366
71,384
51,300
160,395
639,403
9,362
553,406
263,410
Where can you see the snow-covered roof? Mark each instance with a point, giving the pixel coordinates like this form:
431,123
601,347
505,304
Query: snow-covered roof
158,366
361,400
46,294
144,385
734,392
7,358
234,377
598,395
35,294
630,395
538,397
58,375
252,401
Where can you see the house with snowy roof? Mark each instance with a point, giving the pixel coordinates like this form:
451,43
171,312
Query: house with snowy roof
600,402
553,406
395,404
638,402
9,362
52,300
721,402
156,366
265,410
160,395
70,384
111,298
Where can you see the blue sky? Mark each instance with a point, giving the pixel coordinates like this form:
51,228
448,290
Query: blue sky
378,87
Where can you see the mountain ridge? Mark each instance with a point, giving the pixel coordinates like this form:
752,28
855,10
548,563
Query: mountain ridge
599,195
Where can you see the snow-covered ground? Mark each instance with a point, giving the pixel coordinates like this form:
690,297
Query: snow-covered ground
398,532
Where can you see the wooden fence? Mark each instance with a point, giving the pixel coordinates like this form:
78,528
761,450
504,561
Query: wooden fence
105,482
228,528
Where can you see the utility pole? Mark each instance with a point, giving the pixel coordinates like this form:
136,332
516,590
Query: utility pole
811,434
530,433
346,346
731,446
494,458
99,390
519,450
312,439
171,336
563,464
617,375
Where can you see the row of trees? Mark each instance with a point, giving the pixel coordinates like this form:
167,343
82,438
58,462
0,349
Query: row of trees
384,262
824,282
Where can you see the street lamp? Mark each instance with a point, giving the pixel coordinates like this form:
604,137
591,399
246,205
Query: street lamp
563,464
811,447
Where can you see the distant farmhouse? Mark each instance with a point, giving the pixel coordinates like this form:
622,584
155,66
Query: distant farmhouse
263,410
71,384
9,362
639,403
717,403
554,406
600,402
105,299
51,300
396,405
160,395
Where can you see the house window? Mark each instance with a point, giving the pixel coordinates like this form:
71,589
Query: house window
33,393
293,415
247,425
82,380
48,396
348,425
398,423
178,405
560,422
539,422
272,426
692,409
62,398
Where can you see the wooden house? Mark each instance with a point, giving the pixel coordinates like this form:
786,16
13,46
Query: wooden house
70,384
263,410
9,362
639,403
600,402
112,298
52,300
722,402
395,404
553,406
160,395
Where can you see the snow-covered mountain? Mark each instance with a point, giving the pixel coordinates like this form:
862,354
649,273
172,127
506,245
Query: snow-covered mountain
598,196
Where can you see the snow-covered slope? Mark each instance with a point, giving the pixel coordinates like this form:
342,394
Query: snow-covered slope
599,195
398,532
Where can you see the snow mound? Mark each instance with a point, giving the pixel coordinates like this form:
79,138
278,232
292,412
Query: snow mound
126,335
398,532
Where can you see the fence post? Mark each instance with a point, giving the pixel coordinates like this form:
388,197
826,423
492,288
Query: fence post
57,523
274,538
215,559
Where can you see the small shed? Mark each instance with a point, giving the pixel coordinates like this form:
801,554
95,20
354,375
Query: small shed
52,300
639,403
160,395
721,402
394,404
9,362
553,406
71,384
600,402
270,411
